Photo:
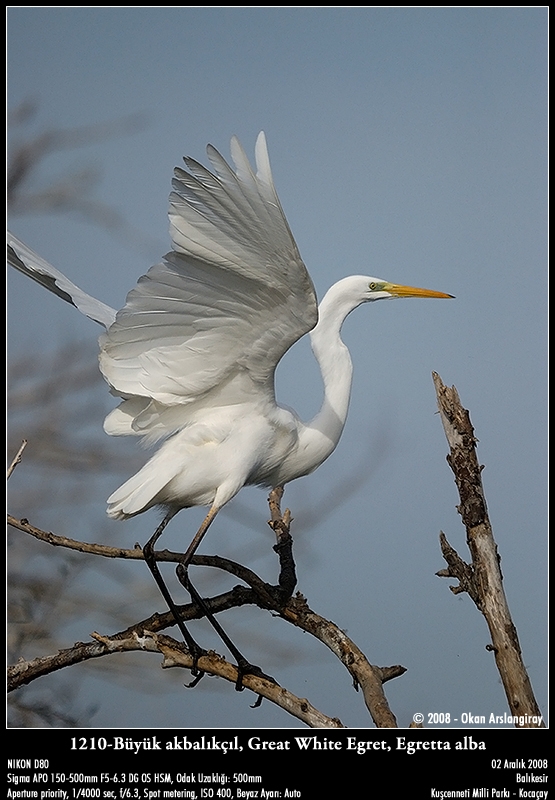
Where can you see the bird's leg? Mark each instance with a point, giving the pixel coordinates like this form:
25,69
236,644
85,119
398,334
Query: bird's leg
182,571
150,559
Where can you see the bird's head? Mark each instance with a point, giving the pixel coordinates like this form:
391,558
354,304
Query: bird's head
347,294
377,289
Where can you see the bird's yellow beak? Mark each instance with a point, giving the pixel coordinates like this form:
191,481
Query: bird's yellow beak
398,290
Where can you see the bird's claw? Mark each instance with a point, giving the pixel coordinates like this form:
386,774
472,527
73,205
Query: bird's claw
198,675
245,668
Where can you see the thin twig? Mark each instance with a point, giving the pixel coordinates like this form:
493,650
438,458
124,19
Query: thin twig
16,459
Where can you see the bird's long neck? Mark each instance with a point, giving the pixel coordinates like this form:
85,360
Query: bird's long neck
335,363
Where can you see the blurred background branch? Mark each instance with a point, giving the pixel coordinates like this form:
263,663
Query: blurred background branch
72,192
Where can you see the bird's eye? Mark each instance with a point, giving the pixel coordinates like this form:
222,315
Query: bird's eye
372,286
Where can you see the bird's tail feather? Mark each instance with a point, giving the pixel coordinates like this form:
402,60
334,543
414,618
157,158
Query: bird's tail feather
140,492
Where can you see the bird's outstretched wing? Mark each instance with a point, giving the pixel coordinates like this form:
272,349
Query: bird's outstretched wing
34,266
231,298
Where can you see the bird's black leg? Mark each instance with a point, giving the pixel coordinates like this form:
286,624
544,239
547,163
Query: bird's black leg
182,571
150,559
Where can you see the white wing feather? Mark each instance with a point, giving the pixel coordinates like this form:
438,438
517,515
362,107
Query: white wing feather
213,320
34,266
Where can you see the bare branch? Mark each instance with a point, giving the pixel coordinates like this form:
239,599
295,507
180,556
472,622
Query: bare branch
364,674
72,544
482,579
17,458
370,678
175,655
294,610
280,524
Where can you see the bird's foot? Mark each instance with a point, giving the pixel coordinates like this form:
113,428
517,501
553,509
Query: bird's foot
196,672
246,668
198,676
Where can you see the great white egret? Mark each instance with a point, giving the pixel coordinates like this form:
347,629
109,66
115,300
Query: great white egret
193,352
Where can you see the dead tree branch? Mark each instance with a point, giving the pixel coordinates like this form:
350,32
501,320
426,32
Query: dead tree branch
482,579
277,599
174,655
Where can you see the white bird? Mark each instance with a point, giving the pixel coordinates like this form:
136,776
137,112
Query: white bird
194,350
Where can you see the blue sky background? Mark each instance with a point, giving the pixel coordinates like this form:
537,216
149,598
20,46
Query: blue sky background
407,144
